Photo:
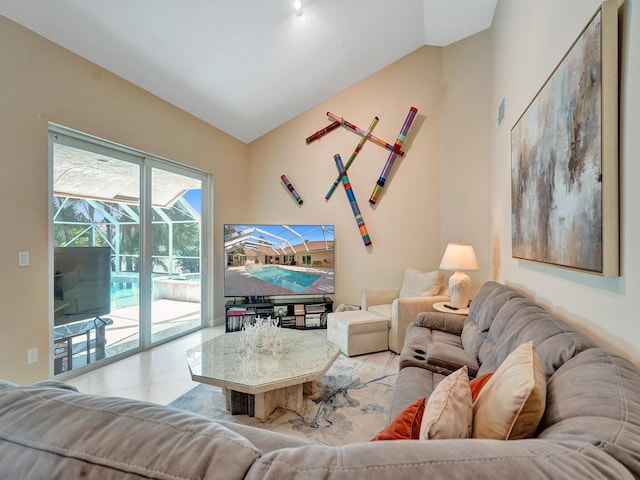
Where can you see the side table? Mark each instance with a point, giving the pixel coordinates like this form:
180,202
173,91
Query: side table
63,336
440,307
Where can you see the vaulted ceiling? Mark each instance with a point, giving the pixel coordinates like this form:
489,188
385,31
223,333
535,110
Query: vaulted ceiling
248,66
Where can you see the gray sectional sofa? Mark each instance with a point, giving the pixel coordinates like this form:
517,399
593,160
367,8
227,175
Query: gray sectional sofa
590,428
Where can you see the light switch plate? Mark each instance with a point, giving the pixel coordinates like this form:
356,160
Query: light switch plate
23,259
32,355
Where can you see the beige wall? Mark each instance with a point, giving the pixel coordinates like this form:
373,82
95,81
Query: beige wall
40,83
437,193
398,239
467,120
453,185
529,39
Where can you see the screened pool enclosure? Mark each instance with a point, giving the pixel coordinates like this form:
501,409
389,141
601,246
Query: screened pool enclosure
147,214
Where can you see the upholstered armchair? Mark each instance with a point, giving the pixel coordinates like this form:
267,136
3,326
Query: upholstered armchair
400,305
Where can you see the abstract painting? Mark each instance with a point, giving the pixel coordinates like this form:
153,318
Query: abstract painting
564,163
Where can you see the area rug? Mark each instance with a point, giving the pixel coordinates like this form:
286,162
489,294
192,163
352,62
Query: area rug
351,404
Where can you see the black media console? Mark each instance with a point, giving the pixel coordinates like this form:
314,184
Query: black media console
302,313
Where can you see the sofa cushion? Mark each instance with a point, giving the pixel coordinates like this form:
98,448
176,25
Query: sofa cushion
512,402
264,440
595,397
56,433
383,311
445,322
419,284
415,348
488,314
448,413
488,356
406,424
519,321
412,384
450,358
488,301
472,338
555,341
483,296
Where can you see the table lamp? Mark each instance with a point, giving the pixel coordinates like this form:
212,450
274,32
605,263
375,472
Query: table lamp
459,257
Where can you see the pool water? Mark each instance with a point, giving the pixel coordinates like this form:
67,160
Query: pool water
124,293
186,277
285,278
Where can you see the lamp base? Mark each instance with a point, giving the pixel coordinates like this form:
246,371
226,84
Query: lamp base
459,289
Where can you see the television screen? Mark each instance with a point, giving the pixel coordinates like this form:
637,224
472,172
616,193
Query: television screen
272,260
82,283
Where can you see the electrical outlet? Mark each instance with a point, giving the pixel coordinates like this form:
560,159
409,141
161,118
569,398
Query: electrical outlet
32,355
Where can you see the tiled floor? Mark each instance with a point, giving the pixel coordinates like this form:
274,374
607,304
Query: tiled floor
158,375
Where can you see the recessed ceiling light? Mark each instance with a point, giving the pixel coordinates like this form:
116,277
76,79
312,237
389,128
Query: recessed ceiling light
297,4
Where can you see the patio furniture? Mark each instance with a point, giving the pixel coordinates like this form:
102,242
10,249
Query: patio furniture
64,349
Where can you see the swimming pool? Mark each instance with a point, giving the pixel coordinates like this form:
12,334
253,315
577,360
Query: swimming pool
125,292
186,277
282,277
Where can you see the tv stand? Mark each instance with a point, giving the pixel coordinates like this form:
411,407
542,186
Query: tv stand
303,313
255,299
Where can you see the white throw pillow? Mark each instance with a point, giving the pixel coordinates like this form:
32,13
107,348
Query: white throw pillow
511,404
449,410
418,284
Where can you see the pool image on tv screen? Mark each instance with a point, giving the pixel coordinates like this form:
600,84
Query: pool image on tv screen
271,260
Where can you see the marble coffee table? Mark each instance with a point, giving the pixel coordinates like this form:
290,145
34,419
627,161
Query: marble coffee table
258,383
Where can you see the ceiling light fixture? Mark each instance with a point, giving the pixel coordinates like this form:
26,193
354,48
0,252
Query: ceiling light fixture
297,4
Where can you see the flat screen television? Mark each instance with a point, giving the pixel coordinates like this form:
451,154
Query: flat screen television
82,283
278,260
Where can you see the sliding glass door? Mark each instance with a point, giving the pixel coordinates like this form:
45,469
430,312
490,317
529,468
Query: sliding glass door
175,254
127,236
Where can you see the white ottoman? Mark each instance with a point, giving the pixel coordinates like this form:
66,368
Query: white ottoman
357,332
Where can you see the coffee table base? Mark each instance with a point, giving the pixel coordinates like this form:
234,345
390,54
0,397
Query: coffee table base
261,405
259,383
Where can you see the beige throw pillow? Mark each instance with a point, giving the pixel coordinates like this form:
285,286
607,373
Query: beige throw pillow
512,402
418,284
448,413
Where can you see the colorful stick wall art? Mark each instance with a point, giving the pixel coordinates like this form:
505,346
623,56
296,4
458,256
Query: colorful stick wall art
352,158
395,149
402,136
352,200
292,190
362,133
323,132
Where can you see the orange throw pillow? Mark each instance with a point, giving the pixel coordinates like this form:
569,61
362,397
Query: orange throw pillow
406,425
477,383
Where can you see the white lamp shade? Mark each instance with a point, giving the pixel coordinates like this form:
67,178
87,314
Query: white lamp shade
459,256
